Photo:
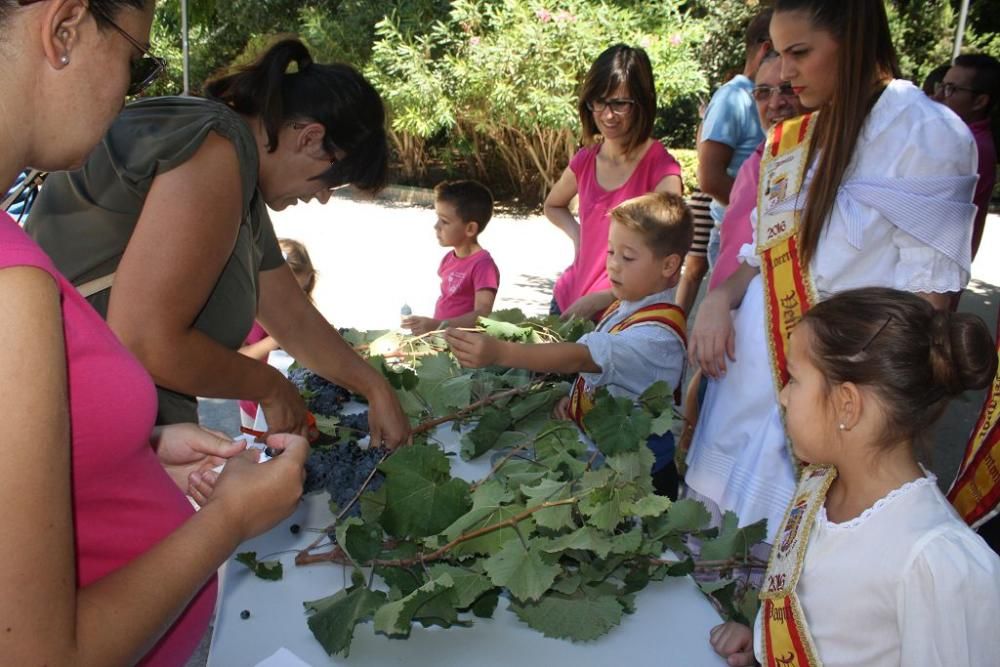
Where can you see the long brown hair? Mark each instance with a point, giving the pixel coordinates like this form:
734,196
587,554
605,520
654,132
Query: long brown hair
866,62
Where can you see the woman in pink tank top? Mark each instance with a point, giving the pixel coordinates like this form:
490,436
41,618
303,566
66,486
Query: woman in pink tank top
619,160
105,562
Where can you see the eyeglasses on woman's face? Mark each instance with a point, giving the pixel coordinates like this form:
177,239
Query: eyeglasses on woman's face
143,70
765,93
618,106
949,89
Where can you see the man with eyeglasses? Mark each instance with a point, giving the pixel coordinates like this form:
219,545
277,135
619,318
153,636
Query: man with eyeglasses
731,129
971,88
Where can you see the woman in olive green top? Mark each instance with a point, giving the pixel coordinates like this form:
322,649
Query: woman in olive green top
166,229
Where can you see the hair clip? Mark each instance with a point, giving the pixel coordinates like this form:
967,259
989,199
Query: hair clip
876,334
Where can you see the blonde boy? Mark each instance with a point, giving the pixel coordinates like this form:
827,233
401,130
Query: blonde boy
641,337
469,276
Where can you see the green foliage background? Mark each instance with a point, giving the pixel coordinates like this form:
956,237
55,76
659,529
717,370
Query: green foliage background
487,88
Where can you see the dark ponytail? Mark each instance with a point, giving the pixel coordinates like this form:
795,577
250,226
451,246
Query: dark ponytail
336,96
914,357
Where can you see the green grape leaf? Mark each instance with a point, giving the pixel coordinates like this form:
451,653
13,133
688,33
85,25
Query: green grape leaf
505,330
558,446
488,509
521,571
411,404
634,467
575,617
401,580
732,540
658,398
486,433
269,570
662,423
605,507
684,516
438,367
511,315
537,401
521,473
469,583
648,506
487,604
401,378
627,542
361,541
372,505
615,425
587,538
334,618
550,490
448,395
396,618
327,425
420,495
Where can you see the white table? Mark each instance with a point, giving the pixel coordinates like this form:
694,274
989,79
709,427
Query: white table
669,629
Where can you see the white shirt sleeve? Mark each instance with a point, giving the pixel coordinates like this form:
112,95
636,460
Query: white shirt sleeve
949,602
634,359
748,251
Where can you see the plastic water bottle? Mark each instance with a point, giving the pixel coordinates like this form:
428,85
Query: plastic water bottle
405,310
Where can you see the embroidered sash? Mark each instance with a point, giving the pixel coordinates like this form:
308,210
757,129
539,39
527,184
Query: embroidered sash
785,637
664,314
975,493
788,291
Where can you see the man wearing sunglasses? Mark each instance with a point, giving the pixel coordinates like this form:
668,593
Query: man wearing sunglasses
971,88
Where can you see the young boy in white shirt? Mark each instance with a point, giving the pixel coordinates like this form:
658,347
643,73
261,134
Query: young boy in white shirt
641,337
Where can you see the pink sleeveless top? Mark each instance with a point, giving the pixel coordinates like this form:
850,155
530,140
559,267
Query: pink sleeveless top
123,501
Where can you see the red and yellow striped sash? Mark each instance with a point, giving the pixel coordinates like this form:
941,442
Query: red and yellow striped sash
975,493
664,314
785,637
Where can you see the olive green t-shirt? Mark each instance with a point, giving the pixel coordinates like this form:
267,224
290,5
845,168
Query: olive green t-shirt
84,219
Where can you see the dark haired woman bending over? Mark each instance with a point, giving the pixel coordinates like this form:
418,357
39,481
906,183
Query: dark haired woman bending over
166,230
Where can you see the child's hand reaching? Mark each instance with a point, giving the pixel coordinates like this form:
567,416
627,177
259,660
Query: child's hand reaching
418,325
473,350
734,642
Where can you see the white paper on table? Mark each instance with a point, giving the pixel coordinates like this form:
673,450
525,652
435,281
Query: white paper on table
283,658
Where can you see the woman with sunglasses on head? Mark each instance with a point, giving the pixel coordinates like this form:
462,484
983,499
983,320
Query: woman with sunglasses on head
619,160
105,562
166,229
856,194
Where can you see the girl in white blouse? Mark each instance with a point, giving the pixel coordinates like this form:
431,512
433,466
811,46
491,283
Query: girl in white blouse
891,575
887,201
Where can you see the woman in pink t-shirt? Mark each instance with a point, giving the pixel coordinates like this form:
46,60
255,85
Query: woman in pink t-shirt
104,562
619,160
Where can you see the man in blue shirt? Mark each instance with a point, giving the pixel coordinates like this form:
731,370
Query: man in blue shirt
731,129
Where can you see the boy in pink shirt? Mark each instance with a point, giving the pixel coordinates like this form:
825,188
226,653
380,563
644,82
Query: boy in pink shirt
469,276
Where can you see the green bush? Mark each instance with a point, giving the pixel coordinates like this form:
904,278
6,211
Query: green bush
688,158
501,78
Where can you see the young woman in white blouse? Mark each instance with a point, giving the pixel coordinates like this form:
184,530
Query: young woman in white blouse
885,199
891,575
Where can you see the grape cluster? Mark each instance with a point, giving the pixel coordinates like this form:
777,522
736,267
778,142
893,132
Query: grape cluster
322,396
341,470
356,424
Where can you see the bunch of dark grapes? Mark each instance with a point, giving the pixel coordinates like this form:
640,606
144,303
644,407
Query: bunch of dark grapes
341,470
356,424
323,397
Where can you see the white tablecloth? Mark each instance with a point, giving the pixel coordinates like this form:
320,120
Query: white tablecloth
669,629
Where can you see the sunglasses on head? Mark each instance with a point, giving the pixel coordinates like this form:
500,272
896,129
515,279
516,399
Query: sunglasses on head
143,70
